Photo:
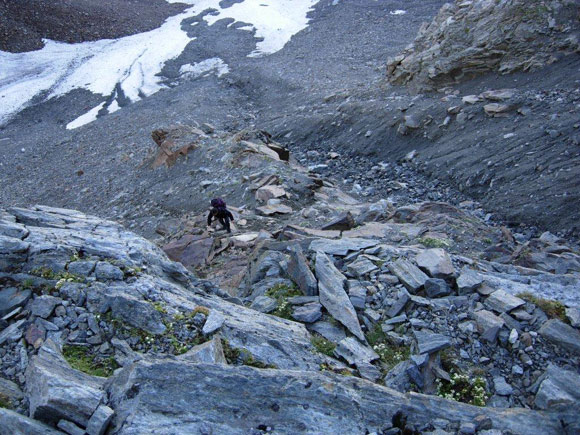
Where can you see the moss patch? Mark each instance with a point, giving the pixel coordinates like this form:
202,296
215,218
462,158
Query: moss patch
281,293
323,345
430,242
553,309
82,359
235,356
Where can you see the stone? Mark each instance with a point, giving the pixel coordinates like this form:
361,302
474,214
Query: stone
573,316
70,428
558,389
361,267
397,319
35,335
108,272
56,391
436,263
303,300
12,298
197,252
488,324
299,271
468,281
44,305
471,99
328,330
354,352
13,332
100,420
137,313
332,295
10,391
272,209
308,313
341,247
398,377
81,268
502,388
502,302
494,109
343,222
18,424
436,288
210,352
357,294
399,305
429,342
561,334
214,321
265,193
498,95
409,274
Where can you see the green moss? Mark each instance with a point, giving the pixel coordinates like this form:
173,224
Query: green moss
391,355
553,309
81,358
159,307
323,345
430,242
281,292
376,336
200,309
5,402
27,284
463,388
236,356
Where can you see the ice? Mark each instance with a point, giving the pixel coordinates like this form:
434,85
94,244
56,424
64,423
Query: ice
215,64
90,116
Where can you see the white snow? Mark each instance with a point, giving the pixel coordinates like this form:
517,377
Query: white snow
398,12
134,62
214,64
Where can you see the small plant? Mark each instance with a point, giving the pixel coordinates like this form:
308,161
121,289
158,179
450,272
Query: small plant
158,306
5,402
391,355
281,292
430,242
324,367
200,309
553,309
80,358
323,345
462,388
236,356
27,284
132,271
487,240
376,336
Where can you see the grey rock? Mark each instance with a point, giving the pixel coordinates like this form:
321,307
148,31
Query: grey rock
328,330
436,262
558,389
468,281
9,390
44,305
437,288
18,424
210,352
13,230
488,324
357,294
398,378
108,272
429,342
100,420
332,295
12,298
135,312
308,313
70,428
343,222
55,391
502,302
397,319
81,268
13,332
124,355
573,316
150,397
300,272
502,387
353,351
264,304
361,267
561,334
409,274
368,371
341,247
399,304
214,321
303,300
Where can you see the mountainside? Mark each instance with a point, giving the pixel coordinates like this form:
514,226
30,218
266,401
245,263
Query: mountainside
404,252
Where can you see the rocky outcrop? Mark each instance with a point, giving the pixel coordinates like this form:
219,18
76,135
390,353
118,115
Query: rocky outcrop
469,38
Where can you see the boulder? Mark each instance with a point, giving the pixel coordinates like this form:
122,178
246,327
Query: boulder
265,193
210,352
436,263
361,266
341,247
44,305
409,274
436,288
18,424
429,342
343,222
558,389
108,272
56,391
299,271
468,281
12,298
308,313
100,420
264,304
488,324
502,302
332,295
561,334
328,330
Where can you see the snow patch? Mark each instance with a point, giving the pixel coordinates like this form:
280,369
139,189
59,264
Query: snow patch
214,64
88,117
398,12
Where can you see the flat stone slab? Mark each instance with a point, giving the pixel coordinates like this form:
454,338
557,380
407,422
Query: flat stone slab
354,352
361,267
332,295
14,423
264,304
409,274
44,305
468,281
342,246
329,331
436,262
558,389
299,271
429,342
214,321
12,298
210,352
561,334
13,332
502,302
488,324
308,313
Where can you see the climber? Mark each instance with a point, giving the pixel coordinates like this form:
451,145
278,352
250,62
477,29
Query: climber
219,210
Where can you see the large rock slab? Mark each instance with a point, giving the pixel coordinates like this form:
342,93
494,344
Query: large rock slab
502,302
409,274
12,298
210,352
558,389
300,272
56,391
308,313
354,352
488,324
429,342
468,281
342,246
13,423
158,397
436,262
561,334
333,296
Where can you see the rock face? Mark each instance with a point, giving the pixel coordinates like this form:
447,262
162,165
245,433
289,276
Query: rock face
562,334
471,38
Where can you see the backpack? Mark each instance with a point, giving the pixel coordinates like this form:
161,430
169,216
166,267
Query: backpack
218,203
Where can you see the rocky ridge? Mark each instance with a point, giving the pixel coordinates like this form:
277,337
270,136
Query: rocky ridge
353,290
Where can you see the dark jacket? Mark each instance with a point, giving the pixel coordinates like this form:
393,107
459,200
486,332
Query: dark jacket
219,213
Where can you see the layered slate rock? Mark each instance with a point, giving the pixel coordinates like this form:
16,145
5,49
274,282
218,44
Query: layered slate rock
341,246
502,302
12,298
333,296
468,281
429,342
14,423
158,397
436,262
210,352
308,313
300,272
563,335
558,389
409,274
56,391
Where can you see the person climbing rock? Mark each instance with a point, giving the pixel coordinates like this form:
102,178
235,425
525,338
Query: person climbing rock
219,211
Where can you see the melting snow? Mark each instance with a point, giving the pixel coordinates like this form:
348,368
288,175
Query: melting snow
398,12
134,62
